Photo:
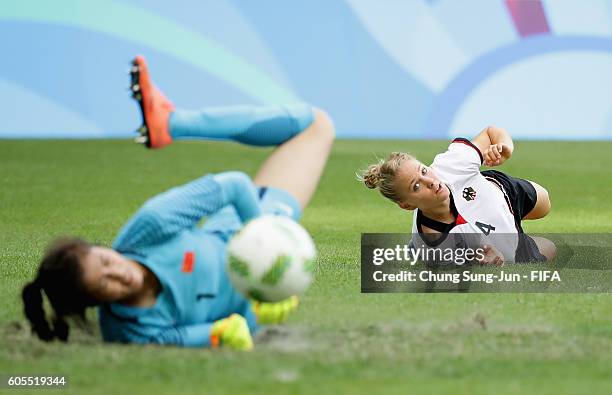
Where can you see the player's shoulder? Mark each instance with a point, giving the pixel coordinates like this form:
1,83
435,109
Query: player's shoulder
461,148
461,159
465,146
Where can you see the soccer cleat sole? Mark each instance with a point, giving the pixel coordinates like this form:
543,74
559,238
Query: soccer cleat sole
135,90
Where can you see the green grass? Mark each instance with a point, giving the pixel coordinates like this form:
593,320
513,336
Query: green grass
340,340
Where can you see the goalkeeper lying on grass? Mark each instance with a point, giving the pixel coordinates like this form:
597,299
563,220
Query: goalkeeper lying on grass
164,279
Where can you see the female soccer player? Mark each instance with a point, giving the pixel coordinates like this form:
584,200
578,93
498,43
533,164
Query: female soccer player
452,195
164,279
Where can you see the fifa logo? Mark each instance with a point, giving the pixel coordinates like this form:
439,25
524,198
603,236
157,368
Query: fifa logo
469,194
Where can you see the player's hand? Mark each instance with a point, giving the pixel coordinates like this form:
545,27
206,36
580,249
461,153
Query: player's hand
232,332
496,154
274,313
492,256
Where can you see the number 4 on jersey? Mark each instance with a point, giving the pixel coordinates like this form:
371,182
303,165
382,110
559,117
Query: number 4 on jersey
485,228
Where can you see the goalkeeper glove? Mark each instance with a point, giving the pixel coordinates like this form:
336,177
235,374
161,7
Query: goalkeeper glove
274,313
232,332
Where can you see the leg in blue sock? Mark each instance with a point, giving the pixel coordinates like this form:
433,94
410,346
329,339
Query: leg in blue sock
261,126
297,165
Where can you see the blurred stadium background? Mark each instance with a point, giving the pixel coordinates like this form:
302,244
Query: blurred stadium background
418,69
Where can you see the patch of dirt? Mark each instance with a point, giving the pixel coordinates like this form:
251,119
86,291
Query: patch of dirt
283,338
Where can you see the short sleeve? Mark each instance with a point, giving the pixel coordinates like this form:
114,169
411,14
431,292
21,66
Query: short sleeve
462,158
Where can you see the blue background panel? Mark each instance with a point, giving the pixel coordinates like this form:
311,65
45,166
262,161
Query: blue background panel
393,69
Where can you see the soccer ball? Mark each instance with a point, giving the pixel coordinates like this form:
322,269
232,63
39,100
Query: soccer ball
271,259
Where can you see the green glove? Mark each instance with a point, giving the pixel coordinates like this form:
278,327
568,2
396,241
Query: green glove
232,332
274,313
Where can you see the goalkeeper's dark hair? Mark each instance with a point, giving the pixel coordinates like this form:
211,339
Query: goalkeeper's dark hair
60,277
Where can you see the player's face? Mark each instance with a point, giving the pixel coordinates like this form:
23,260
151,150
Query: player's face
419,186
110,277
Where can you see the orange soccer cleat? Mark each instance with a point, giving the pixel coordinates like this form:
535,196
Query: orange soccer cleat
154,106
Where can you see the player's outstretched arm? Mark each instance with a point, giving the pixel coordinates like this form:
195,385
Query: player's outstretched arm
495,144
168,213
231,332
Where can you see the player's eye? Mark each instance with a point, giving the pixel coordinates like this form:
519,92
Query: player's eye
424,171
416,187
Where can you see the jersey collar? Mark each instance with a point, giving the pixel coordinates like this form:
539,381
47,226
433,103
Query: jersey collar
437,225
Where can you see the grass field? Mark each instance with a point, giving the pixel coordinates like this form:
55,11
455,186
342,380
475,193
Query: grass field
340,340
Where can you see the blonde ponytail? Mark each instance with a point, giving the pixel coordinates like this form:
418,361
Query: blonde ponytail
382,174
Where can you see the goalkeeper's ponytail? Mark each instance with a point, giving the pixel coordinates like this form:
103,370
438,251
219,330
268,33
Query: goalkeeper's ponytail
34,312
59,276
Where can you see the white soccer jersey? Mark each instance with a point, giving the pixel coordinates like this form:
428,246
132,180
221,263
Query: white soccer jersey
482,205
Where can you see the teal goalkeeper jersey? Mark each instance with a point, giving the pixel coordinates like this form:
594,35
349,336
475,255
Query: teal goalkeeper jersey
188,261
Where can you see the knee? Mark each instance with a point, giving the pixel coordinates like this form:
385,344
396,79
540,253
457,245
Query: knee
323,126
548,249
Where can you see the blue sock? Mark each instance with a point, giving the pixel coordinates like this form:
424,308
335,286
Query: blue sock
262,126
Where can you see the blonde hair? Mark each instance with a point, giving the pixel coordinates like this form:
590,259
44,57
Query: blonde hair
382,174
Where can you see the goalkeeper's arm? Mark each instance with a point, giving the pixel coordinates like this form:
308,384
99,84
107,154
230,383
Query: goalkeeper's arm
231,332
